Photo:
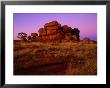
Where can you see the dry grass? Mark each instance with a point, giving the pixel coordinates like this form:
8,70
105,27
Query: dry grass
32,58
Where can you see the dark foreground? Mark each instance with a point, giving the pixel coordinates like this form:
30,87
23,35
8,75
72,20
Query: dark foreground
35,58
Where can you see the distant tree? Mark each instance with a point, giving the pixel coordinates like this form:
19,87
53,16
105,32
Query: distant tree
75,31
29,38
22,36
34,36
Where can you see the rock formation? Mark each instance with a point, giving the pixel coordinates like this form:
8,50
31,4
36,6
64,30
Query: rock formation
53,31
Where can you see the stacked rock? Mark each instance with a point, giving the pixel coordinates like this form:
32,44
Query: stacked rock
42,32
53,31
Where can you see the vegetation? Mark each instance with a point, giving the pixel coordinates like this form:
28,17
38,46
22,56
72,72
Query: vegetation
66,58
22,36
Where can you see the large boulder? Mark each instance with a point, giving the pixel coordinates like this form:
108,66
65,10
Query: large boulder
56,37
42,32
51,32
53,37
56,27
44,37
53,23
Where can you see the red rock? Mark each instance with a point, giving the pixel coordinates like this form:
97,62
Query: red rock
53,23
42,31
49,32
56,27
53,31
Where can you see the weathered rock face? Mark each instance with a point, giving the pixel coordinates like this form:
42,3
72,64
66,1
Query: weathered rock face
53,31
53,23
42,32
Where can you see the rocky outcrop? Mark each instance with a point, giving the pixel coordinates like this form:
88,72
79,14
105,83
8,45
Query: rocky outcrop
88,41
42,32
50,32
53,31
50,24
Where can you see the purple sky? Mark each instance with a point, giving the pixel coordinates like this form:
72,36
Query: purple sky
31,22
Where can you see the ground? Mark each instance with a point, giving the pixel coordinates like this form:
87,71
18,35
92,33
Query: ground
67,58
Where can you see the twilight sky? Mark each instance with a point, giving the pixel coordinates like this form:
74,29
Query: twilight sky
31,22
